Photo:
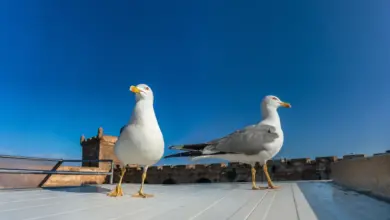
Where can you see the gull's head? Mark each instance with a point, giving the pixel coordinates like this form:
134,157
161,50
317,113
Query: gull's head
275,102
142,92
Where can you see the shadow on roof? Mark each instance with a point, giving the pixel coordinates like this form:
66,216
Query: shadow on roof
80,189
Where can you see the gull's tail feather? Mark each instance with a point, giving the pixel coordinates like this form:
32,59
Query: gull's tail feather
189,147
185,154
195,155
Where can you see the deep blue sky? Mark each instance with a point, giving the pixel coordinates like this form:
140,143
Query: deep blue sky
66,66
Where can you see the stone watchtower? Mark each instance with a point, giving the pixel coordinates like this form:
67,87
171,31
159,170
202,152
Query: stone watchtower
97,148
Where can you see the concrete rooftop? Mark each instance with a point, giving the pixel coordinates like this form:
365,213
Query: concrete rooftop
234,201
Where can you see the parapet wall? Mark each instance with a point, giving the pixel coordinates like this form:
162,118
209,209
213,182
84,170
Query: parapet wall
279,170
76,180
366,174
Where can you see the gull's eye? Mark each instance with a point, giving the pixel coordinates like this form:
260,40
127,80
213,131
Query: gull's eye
274,98
147,88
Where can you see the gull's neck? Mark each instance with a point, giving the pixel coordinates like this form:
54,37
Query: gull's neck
270,115
143,113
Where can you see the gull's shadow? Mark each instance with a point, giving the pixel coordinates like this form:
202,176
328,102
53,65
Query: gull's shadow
80,189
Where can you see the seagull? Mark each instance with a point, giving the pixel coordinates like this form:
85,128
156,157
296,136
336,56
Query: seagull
255,143
141,141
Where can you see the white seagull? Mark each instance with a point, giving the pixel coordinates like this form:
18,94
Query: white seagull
141,141
254,143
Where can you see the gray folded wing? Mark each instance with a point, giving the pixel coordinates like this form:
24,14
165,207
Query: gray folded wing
249,140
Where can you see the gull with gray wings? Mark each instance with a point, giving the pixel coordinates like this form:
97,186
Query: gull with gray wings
255,143
141,141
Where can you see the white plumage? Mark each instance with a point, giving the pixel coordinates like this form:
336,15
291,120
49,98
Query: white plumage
255,143
252,144
141,141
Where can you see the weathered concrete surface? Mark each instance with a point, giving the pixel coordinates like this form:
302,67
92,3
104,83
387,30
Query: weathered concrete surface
302,200
370,175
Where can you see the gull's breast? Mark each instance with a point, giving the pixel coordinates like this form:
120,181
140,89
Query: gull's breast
140,145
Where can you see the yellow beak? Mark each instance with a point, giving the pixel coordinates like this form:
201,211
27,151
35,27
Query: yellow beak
285,104
134,89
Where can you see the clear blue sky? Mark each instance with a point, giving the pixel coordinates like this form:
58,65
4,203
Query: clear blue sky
66,66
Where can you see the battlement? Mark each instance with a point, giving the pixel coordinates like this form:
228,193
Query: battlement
98,147
99,137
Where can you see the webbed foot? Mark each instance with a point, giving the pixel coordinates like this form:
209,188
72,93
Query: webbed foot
141,194
116,192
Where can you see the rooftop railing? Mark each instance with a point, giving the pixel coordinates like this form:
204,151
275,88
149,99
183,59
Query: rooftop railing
54,170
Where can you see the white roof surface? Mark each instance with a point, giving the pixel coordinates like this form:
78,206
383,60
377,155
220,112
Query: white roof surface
215,201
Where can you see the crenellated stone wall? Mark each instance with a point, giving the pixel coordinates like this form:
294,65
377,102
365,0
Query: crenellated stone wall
97,148
295,169
101,147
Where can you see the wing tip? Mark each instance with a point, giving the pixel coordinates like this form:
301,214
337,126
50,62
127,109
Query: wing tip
176,147
184,154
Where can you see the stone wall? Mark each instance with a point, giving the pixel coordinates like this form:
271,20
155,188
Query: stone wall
33,180
366,174
295,169
98,147
76,180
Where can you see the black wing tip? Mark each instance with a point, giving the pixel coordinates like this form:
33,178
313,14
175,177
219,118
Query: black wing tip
188,147
195,154
185,154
